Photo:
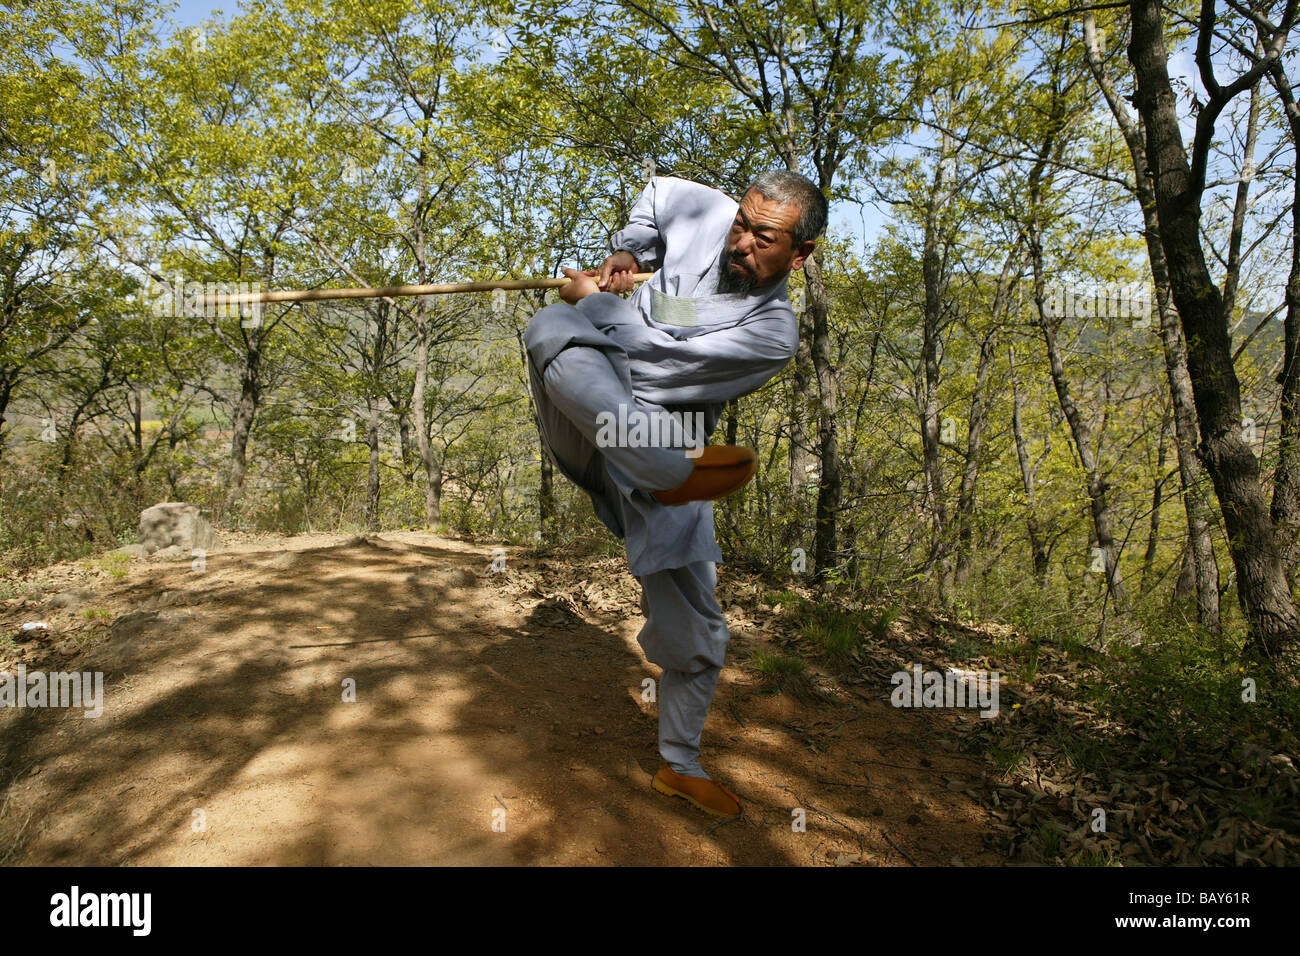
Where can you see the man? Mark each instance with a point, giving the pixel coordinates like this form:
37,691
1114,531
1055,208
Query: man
714,323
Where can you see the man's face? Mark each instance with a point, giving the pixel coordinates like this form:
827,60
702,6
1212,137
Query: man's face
760,248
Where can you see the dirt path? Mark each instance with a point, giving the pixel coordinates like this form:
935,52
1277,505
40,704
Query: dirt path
480,702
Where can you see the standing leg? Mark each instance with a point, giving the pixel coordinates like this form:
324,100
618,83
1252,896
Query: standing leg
686,634
684,701
575,374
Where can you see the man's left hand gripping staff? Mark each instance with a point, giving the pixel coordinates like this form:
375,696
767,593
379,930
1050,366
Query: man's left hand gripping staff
580,285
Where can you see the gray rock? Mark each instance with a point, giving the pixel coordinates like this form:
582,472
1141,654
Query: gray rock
132,551
133,620
73,598
172,552
174,524
177,599
31,631
460,578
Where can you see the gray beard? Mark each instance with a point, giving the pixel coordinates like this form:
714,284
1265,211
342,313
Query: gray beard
731,284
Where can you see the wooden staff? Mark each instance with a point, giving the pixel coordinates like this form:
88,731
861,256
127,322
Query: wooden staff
392,291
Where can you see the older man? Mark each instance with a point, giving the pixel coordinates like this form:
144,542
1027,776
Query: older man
713,324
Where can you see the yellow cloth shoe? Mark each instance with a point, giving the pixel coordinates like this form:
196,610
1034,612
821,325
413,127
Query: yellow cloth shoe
709,795
719,471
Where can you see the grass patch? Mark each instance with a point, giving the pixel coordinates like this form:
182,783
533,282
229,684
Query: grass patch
1028,665
1083,753
963,647
836,632
840,633
1018,656
878,624
1177,689
1051,838
782,599
115,563
94,614
1094,858
1007,759
784,675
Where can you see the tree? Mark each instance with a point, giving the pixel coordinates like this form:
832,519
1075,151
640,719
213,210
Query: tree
1178,183
1200,548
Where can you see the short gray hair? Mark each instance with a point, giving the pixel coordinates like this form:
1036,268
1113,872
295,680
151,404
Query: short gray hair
783,186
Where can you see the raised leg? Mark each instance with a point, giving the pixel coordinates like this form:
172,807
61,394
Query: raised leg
578,384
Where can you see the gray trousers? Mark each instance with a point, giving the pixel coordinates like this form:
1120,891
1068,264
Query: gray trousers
685,631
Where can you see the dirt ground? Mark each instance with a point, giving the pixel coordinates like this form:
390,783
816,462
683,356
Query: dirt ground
497,721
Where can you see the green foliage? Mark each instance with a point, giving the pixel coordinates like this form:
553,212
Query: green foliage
48,514
1182,684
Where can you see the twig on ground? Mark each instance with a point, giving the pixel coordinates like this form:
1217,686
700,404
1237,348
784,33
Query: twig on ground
889,840
845,783
731,705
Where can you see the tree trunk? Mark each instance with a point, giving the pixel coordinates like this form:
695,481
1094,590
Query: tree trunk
432,495
1157,495
404,444
802,371
978,422
1204,566
933,281
1081,433
825,541
546,493
435,491
372,477
1285,510
1036,548
250,393
970,473
1185,586
1052,145
6,389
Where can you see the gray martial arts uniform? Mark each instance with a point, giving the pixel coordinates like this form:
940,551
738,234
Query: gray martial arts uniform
676,345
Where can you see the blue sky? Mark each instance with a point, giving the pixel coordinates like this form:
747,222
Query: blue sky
192,12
